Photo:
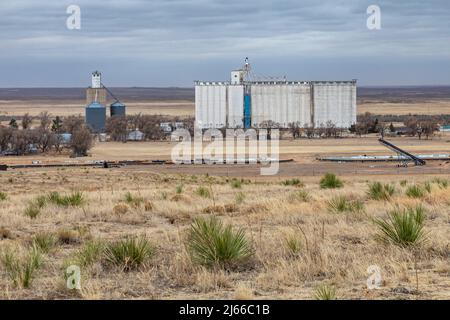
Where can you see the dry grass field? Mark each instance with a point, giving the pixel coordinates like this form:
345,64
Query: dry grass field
183,108
17,108
431,107
298,238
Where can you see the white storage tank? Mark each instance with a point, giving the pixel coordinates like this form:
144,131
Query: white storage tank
281,103
211,105
335,102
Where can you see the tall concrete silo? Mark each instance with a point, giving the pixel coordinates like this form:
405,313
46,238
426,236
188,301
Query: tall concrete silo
96,117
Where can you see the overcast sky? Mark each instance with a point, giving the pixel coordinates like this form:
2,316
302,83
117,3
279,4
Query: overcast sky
173,42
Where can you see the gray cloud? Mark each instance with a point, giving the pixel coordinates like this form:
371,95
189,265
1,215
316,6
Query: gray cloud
172,42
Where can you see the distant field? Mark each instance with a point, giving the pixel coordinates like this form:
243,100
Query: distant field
180,101
17,108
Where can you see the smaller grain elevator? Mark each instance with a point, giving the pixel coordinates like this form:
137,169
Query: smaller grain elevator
117,109
96,117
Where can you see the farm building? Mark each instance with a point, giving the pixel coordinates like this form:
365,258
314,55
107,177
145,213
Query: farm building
246,103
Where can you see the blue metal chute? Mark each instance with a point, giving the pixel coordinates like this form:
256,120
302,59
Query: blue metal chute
247,111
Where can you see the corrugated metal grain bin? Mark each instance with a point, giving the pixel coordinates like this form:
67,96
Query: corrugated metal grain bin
118,109
96,117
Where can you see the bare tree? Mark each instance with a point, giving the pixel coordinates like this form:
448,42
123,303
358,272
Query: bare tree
20,141
81,141
26,121
412,124
45,139
72,123
45,119
294,128
427,128
117,128
309,131
6,134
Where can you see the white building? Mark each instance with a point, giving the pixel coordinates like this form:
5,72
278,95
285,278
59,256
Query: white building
243,104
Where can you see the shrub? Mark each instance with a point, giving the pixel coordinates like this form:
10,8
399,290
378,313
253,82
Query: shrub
91,252
148,206
75,199
21,268
427,186
403,183
3,196
293,182
301,195
211,244
340,204
179,189
236,184
5,233
32,211
67,236
120,209
40,202
404,228
330,181
325,292
415,191
44,241
130,253
132,200
239,198
293,245
378,191
203,192
442,183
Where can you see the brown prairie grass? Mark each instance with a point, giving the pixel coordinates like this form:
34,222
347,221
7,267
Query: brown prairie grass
298,244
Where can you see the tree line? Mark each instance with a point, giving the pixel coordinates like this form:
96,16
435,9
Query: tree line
21,137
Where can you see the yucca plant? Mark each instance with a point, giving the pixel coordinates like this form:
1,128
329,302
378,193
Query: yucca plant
75,199
379,191
32,211
203,192
21,268
133,200
403,227
415,191
339,204
331,181
293,245
442,183
428,187
130,253
91,252
236,184
45,241
325,292
212,244
239,197
3,196
293,182
179,189
300,195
